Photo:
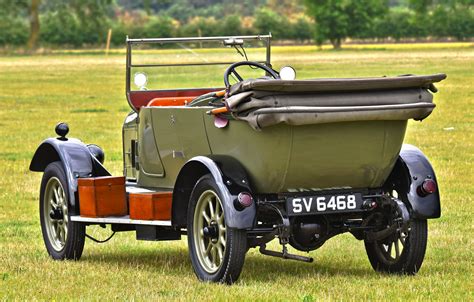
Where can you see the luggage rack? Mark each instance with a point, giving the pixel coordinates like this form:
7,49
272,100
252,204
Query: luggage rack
120,220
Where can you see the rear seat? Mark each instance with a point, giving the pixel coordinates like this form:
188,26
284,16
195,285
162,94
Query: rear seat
170,101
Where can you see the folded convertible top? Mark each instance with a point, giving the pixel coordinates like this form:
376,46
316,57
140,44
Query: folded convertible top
339,84
264,102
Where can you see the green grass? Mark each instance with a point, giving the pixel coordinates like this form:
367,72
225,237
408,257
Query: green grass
87,91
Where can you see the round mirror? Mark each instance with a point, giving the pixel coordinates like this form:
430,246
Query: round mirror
287,73
140,79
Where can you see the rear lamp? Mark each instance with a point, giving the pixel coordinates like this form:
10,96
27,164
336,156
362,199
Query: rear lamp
427,187
243,200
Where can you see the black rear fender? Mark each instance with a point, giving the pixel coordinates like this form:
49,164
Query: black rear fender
231,179
411,169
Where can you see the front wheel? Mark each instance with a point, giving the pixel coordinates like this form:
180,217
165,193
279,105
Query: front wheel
402,252
217,251
64,239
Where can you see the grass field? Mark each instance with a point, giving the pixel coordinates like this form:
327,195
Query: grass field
87,91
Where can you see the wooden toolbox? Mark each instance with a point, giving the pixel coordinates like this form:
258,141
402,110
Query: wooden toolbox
102,196
150,206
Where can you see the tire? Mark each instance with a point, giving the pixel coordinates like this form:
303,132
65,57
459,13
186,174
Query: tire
409,259
217,253
63,238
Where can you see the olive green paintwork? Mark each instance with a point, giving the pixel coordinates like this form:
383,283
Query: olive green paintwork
129,136
278,159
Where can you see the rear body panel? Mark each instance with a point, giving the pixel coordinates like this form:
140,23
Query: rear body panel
286,158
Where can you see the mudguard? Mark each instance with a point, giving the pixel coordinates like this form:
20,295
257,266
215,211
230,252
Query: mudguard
411,169
231,179
76,159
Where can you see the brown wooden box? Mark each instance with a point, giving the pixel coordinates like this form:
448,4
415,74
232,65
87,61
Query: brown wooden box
150,206
102,196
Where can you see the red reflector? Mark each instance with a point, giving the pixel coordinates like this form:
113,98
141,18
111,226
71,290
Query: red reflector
244,200
427,187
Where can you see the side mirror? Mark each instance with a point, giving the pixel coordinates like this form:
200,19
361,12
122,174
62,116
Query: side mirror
287,73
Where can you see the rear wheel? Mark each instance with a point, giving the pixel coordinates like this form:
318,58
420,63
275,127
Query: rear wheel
402,252
217,251
63,238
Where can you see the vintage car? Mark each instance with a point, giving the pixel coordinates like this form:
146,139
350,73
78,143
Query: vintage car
233,167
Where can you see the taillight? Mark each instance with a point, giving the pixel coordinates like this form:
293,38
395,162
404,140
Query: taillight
427,187
243,200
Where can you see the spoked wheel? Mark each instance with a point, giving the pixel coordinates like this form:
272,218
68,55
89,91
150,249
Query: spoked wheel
402,252
63,238
217,252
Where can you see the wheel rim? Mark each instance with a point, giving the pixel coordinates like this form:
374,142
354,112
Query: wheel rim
55,201
209,214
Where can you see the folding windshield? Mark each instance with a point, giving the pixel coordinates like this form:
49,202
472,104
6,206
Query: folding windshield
181,63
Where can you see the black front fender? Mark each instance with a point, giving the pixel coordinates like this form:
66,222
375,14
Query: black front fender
230,178
76,159
411,169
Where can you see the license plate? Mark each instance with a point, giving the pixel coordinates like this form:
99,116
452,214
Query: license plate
305,205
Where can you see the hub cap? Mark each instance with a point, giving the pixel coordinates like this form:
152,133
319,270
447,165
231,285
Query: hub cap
209,231
55,213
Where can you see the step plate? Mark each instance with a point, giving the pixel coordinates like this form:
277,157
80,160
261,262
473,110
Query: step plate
120,220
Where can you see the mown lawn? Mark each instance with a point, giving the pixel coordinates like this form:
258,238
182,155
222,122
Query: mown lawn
87,91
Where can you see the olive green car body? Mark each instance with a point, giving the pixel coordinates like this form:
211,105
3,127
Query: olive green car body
278,159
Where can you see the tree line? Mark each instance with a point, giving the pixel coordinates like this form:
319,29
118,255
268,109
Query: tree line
79,23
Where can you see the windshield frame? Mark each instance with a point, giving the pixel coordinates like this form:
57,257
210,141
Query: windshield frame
130,42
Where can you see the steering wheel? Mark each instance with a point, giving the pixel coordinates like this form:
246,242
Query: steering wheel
231,70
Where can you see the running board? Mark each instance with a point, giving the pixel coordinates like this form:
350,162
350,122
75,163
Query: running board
120,220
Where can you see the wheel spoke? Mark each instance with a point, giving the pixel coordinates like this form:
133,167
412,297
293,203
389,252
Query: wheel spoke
218,210
204,214
63,235
397,249
65,232
62,196
56,195
220,252
58,232
211,208
54,228
222,240
54,199
214,255
65,215
402,239
53,203
208,250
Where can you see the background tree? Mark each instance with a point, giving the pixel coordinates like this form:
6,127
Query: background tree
337,20
34,24
266,20
14,27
